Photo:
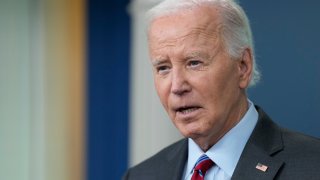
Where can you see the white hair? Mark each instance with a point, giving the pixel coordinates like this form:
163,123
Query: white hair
236,31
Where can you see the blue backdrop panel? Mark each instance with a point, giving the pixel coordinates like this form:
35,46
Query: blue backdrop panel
108,89
286,34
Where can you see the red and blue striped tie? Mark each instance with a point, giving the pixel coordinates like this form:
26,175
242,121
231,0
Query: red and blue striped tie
202,165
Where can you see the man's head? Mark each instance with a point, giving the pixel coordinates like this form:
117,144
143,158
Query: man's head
203,61
236,29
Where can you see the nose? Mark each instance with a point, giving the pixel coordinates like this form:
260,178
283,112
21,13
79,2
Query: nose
179,82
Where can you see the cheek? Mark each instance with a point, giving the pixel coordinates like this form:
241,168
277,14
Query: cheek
214,89
208,85
162,91
222,81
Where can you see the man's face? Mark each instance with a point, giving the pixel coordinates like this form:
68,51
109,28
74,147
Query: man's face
199,85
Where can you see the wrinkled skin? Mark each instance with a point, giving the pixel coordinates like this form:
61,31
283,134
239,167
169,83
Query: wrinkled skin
200,86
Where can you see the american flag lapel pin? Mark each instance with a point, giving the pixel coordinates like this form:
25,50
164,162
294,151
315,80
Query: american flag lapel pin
262,167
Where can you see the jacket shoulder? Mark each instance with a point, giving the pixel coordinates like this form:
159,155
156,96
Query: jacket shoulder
157,162
299,143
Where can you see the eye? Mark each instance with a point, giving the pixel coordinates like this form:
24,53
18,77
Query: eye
162,69
194,63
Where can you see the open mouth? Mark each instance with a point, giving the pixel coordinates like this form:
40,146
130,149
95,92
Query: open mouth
187,110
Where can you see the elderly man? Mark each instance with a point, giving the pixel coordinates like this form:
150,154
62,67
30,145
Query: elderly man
203,62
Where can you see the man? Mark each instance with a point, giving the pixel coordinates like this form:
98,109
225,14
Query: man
203,62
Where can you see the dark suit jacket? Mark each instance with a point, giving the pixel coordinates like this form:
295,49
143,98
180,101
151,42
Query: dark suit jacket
288,155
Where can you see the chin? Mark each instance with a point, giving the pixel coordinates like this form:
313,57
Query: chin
190,132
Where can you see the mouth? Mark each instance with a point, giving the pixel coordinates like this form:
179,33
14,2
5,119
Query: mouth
187,110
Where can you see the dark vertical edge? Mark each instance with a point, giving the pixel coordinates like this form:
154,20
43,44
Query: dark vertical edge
108,88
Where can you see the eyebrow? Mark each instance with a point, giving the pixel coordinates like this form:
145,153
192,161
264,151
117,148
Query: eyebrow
157,62
195,55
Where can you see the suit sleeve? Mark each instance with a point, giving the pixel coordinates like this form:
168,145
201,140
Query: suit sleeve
126,175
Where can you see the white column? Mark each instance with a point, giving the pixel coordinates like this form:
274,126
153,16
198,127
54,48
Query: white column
42,90
37,91
15,90
150,127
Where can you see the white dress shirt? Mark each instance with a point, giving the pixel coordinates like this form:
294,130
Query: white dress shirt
226,152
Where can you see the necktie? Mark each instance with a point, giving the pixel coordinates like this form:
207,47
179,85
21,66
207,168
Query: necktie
202,165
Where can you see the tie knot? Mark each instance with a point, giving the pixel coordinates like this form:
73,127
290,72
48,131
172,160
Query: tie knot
203,164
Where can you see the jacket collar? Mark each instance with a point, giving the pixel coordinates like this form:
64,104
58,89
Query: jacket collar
176,158
256,160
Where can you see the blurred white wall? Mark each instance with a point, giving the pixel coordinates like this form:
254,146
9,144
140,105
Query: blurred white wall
16,71
41,89
150,127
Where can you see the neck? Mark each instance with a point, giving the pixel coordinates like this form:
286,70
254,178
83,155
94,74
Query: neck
232,120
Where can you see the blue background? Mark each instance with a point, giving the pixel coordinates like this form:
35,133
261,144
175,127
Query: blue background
108,89
287,40
286,34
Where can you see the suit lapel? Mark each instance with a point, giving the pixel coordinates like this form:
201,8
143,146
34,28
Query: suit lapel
176,162
265,141
247,167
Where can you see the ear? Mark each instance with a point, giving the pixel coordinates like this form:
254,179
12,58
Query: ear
245,68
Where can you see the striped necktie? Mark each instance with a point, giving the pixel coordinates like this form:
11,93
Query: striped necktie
202,165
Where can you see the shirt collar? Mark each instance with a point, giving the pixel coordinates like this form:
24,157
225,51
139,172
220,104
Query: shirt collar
227,151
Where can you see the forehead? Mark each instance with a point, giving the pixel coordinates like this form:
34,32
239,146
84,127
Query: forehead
198,22
191,18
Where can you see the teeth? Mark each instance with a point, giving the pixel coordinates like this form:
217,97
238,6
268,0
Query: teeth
188,110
